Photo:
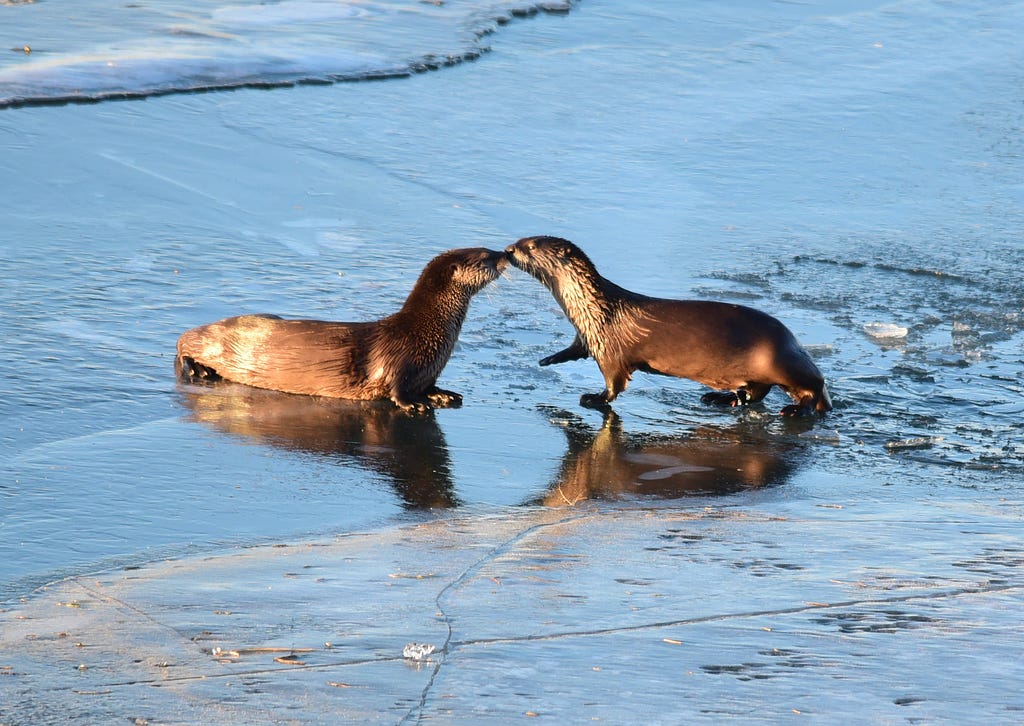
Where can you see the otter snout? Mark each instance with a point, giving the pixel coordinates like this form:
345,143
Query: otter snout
500,259
518,253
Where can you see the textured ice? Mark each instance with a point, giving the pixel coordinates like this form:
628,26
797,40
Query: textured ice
885,331
136,51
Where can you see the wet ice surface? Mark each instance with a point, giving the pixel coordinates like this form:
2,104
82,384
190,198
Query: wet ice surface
672,561
85,51
752,611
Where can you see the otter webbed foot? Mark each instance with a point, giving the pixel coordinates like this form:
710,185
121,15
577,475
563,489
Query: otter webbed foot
738,397
600,401
441,398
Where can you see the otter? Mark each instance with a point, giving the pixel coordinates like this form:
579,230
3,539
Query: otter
398,357
738,350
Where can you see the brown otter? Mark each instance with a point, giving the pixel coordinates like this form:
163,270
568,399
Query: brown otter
399,357
724,346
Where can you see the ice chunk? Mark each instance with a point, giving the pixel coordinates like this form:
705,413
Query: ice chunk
885,331
920,442
418,651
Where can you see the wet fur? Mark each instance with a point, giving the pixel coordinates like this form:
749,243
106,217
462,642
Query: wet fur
728,347
398,357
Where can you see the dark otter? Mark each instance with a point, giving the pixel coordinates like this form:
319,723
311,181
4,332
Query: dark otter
721,345
399,357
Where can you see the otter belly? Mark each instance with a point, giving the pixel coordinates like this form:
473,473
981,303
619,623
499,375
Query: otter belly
720,357
722,346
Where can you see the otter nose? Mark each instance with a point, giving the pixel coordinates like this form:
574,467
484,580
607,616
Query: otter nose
510,250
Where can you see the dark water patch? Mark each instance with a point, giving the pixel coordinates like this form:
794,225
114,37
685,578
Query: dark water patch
1001,563
908,701
873,621
759,567
780,663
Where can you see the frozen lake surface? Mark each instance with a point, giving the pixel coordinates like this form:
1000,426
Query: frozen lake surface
856,172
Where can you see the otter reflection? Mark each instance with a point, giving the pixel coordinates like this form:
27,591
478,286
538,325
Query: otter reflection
410,451
611,464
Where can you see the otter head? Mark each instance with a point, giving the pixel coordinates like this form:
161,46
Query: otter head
453,278
469,269
552,260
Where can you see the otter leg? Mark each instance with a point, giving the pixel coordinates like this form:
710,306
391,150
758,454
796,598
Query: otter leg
441,398
615,382
576,351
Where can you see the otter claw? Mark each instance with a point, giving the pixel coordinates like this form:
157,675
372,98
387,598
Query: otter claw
445,399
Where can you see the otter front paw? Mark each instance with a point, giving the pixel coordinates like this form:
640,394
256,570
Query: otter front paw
573,352
595,400
444,399
795,409
560,357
